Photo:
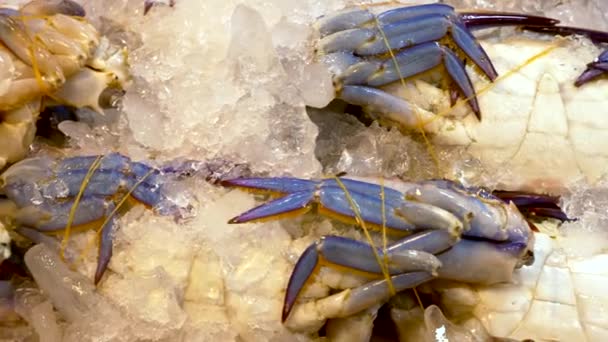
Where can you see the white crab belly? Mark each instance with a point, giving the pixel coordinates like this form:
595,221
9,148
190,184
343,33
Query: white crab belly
535,123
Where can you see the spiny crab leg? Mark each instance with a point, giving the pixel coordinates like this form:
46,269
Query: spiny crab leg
355,44
596,68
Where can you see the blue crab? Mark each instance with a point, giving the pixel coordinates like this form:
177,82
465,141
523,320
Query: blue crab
365,52
51,195
443,230
368,54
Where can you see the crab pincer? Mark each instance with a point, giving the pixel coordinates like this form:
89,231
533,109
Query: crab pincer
367,51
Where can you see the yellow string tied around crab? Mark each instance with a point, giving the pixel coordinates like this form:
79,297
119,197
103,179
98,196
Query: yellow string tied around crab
68,228
359,219
108,217
419,122
34,62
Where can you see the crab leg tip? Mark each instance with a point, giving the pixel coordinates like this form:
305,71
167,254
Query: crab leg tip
290,204
105,249
303,270
487,19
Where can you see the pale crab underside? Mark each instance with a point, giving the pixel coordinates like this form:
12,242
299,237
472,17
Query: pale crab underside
49,54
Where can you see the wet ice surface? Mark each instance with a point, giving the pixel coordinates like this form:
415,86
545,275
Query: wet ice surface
233,86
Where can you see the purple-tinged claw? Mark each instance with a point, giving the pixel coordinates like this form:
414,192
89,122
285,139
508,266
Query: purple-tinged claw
278,185
594,35
527,199
480,20
555,213
534,204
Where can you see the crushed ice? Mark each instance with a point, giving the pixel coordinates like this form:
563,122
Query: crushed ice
226,79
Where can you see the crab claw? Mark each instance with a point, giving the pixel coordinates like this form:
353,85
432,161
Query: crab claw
337,198
534,204
479,20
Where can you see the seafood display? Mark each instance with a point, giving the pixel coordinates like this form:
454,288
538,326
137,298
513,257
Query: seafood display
479,217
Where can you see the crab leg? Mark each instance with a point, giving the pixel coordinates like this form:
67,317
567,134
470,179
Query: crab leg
415,37
330,198
412,254
480,20
408,26
105,247
409,62
351,301
533,204
56,218
357,255
594,69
